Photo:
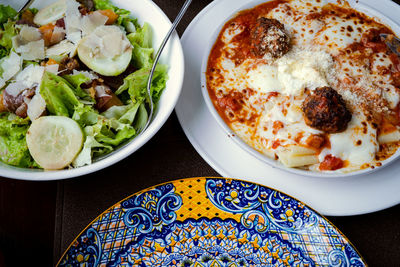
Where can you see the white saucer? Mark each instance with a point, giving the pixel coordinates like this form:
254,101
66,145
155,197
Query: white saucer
329,196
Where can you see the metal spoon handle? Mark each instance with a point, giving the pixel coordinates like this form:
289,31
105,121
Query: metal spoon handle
25,6
160,49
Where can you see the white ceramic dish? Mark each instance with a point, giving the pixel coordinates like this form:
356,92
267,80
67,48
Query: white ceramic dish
336,196
145,11
359,5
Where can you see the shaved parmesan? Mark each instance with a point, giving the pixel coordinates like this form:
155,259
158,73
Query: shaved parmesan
106,50
58,35
89,75
11,66
61,49
29,50
90,22
30,76
73,21
36,107
52,68
30,34
15,89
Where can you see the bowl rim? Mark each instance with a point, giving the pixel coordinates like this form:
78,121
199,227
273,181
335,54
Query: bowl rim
132,145
368,10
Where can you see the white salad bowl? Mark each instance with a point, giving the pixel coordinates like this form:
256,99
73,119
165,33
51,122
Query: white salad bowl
144,11
363,6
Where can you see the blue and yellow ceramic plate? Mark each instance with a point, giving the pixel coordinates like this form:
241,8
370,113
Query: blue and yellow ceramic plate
210,222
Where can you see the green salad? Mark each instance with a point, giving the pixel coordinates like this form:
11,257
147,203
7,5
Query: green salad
73,79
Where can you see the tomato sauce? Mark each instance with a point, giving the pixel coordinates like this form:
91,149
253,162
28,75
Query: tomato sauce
331,163
247,19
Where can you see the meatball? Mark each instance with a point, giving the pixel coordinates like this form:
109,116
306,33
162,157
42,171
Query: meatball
269,37
326,111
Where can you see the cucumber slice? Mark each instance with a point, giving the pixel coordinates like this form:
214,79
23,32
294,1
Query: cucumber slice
54,141
50,13
106,51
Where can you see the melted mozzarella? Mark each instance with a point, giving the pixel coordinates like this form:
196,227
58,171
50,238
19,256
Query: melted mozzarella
292,73
358,144
265,79
391,95
231,32
289,114
338,34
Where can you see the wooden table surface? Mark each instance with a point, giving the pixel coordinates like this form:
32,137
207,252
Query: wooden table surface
38,220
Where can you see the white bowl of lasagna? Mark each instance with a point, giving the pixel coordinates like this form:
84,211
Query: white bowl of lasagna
307,86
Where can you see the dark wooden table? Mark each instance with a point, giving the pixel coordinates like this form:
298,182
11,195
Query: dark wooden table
38,220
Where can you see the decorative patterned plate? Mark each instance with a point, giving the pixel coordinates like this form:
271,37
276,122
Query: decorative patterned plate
210,222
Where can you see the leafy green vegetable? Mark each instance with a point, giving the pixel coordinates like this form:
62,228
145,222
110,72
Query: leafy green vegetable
136,83
90,148
3,52
59,95
26,63
141,118
33,10
141,41
124,114
76,81
142,37
13,147
6,12
142,57
7,34
85,115
124,18
104,4
110,131
103,131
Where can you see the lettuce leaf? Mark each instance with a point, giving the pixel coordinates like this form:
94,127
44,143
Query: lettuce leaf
90,148
141,118
142,37
136,84
142,57
104,131
104,4
59,95
141,41
76,81
7,34
6,12
124,114
13,148
85,115
3,52
124,18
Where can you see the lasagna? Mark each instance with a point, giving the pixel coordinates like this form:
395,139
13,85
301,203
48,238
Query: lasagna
309,83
